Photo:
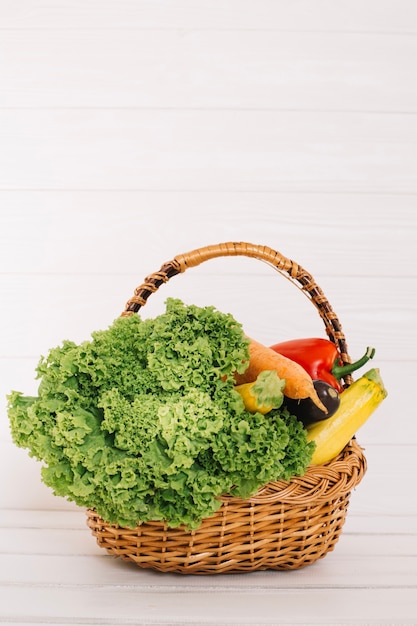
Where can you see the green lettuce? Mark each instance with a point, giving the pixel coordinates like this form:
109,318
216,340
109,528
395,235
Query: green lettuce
142,422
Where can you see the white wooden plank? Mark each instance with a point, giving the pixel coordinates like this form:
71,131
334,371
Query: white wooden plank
25,542
204,129
46,309
390,524
380,528
373,545
129,606
335,571
200,68
386,488
74,519
101,232
322,15
196,150
58,542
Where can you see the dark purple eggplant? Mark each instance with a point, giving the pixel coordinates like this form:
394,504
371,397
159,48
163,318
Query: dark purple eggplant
307,411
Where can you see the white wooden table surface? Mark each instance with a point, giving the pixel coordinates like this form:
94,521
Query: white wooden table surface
131,131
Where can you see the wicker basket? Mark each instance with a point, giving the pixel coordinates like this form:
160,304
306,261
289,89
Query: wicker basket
286,524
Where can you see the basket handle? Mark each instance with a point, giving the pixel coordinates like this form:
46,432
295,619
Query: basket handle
288,268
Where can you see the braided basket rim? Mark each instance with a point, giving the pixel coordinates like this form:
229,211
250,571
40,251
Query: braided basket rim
318,483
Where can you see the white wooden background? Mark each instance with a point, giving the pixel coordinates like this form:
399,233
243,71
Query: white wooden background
131,131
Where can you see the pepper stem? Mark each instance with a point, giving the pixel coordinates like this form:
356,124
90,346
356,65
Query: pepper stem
339,371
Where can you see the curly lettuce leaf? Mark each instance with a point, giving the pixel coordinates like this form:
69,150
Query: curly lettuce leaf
142,423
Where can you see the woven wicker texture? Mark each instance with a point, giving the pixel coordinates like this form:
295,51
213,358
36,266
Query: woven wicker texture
286,524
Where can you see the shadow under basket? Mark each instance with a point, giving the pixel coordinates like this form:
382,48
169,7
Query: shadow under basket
286,524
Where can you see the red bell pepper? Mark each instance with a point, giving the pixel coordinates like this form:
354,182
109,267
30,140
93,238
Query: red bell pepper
321,359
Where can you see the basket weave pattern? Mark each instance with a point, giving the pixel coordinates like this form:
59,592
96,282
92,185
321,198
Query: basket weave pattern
286,524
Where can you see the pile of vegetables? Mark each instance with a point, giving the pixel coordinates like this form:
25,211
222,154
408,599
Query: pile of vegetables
156,419
144,422
331,413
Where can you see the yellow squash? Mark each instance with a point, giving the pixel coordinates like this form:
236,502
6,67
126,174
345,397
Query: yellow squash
357,403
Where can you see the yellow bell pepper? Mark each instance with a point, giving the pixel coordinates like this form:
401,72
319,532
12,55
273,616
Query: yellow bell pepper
263,394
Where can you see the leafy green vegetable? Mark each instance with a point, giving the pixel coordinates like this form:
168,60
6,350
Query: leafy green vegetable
268,389
142,421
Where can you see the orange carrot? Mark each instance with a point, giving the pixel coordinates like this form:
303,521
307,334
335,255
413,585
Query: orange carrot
298,383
